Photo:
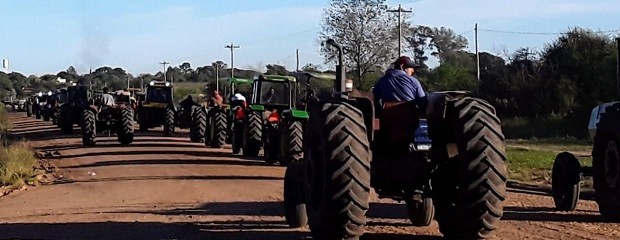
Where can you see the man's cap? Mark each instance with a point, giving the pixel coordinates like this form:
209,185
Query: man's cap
407,62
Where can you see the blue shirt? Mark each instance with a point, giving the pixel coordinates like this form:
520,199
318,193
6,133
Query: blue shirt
398,86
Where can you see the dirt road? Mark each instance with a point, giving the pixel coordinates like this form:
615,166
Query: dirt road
169,188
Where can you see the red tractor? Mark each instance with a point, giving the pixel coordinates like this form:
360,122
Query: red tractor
352,145
108,119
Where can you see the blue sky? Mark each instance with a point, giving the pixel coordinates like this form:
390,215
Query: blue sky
45,36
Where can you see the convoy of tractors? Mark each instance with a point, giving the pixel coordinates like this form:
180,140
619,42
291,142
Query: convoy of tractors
447,163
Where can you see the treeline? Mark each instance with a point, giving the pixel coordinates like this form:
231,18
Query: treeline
554,88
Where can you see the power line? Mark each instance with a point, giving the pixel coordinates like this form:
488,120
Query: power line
539,33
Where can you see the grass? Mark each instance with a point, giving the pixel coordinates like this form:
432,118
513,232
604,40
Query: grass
533,161
17,165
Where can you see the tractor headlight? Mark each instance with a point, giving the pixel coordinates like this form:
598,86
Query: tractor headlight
152,83
40,94
167,84
49,93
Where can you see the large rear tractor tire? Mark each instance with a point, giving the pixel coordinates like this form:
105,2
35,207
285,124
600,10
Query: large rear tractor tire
338,156
291,143
198,125
606,164
219,130
295,195
565,179
169,122
253,131
66,119
470,188
125,130
89,131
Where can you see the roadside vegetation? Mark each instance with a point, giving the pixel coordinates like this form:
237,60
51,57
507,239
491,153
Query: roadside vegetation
17,160
532,160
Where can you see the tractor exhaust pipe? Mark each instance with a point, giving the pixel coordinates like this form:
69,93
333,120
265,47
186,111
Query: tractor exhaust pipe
618,68
339,83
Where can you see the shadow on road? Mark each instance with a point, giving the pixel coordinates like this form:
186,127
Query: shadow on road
546,214
215,230
141,178
150,230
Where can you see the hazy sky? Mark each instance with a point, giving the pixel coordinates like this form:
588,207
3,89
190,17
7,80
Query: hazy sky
44,36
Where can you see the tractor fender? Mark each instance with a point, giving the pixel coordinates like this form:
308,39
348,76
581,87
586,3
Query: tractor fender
436,109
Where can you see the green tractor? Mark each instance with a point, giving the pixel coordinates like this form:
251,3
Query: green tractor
220,119
273,120
353,144
157,109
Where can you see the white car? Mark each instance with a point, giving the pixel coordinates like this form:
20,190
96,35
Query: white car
595,116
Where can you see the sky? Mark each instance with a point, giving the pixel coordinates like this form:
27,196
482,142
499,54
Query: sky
45,36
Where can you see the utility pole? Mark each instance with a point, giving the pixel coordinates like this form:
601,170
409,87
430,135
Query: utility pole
164,63
477,54
297,54
232,56
217,76
400,11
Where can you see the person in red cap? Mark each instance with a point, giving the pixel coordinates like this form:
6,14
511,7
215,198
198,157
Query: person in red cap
399,85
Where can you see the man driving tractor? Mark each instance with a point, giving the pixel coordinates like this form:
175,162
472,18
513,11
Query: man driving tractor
396,94
399,85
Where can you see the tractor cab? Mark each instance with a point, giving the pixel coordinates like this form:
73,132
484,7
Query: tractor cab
309,97
274,92
159,92
122,97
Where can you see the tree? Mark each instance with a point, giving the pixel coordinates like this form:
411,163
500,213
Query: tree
275,69
309,67
364,29
186,67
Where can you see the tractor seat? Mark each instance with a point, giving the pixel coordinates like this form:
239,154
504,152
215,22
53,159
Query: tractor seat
398,122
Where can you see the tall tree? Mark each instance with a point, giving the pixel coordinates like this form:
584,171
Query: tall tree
365,30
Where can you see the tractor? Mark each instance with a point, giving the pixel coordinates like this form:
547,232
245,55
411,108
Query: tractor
191,116
273,119
60,98
38,104
604,128
78,99
220,120
107,119
353,143
157,108
49,106
28,106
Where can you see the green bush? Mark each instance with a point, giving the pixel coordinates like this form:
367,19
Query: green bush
17,164
5,125
550,127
